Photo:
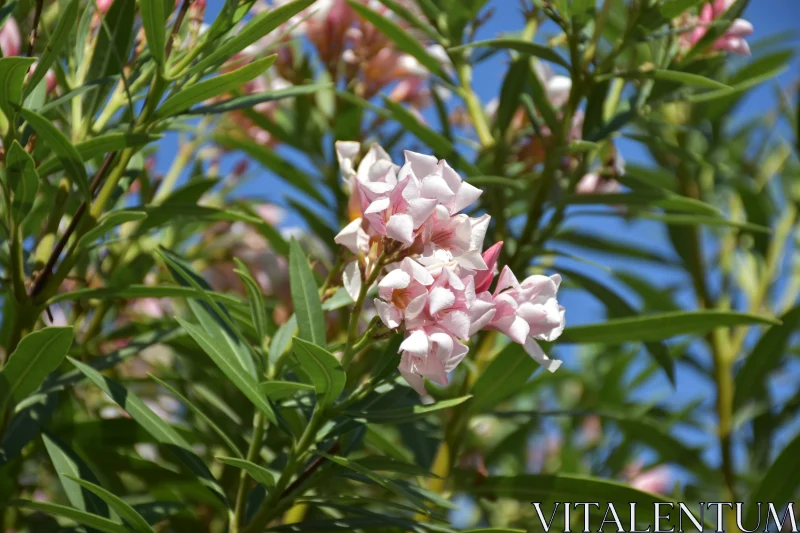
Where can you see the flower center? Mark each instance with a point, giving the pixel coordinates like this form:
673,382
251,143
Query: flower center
401,298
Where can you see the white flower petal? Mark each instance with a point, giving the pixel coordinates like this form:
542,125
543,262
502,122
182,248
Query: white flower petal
440,298
533,349
401,228
351,279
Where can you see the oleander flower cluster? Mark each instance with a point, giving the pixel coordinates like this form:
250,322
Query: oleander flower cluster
434,279
732,41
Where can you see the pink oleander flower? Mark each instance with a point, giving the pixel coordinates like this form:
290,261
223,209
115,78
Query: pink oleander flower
438,290
733,40
657,480
594,183
10,38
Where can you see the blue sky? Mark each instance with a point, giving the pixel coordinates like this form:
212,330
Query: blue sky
768,17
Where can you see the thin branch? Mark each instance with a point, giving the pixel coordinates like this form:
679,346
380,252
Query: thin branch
35,28
177,25
47,271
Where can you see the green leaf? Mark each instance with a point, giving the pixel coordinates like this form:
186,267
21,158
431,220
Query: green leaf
498,181
269,159
524,47
111,50
259,473
68,465
401,415
251,100
412,18
765,357
23,180
779,485
618,307
106,223
206,89
81,517
219,353
98,146
200,414
386,483
66,153
13,71
305,297
154,21
506,375
513,85
65,27
258,27
125,511
37,354
255,299
323,369
659,326
685,78
653,198
282,339
405,42
215,319
672,8
279,390
130,292
154,425
541,488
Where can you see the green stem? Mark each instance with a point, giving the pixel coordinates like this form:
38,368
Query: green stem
252,454
355,315
272,506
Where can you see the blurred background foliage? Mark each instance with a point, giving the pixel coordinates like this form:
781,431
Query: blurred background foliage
158,160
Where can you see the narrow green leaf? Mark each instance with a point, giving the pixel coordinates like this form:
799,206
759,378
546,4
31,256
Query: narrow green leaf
154,425
13,71
268,158
524,47
206,89
779,485
280,390
386,483
68,465
506,374
70,159
255,299
305,297
125,511
23,180
259,473
106,223
112,48
65,27
81,517
98,146
258,27
401,415
618,307
659,326
251,100
662,199
323,369
140,291
765,357
551,488
672,8
412,18
214,318
231,367
405,42
154,22
37,354
200,414
685,78
282,339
